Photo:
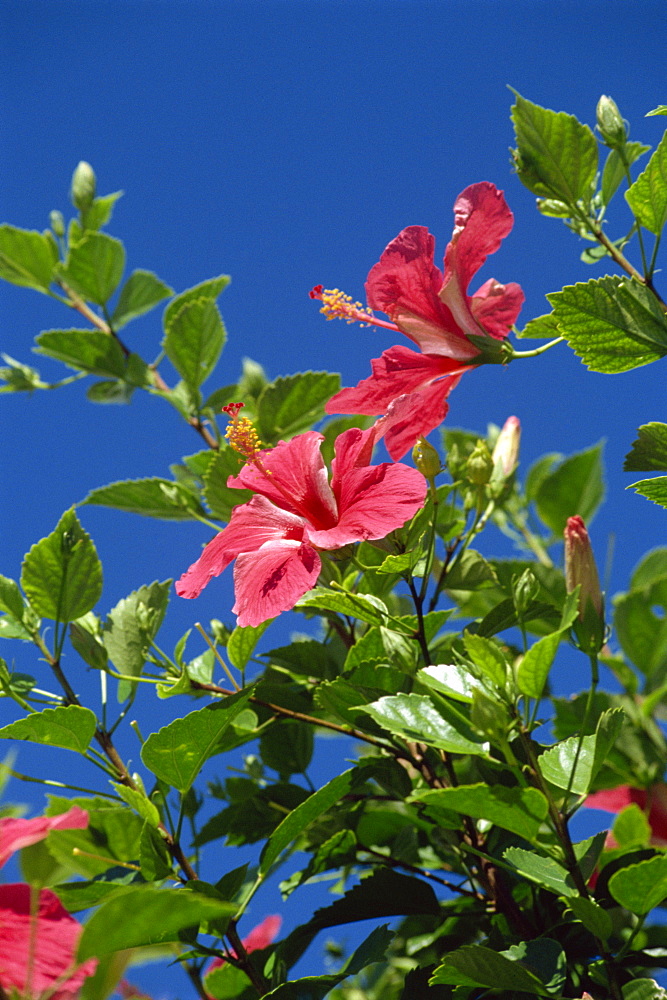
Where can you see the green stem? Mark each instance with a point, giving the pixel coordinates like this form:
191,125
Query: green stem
536,351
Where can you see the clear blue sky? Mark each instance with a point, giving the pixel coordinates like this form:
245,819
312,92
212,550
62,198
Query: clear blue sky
285,143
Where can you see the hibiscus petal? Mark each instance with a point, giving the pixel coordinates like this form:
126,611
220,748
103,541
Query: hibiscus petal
263,934
496,306
400,370
405,284
297,479
373,502
415,415
252,525
482,219
15,834
44,943
273,579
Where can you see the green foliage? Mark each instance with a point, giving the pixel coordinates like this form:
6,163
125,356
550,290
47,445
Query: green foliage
648,195
141,292
71,727
27,258
94,267
61,574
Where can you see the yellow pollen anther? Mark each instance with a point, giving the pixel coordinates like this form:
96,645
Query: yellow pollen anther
241,433
338,305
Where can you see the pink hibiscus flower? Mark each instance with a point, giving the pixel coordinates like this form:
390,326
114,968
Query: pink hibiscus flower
296,512
652,800
409,390
259,937
38,937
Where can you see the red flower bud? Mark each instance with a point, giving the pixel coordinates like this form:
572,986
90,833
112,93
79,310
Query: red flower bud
580,570
506,449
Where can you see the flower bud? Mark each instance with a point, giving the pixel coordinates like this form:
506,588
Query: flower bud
506,449
580,570
83,186
57,223
524,590
479,467
426,458
610,123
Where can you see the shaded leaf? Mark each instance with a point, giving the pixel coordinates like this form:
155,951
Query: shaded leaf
365,607
475,965
130,628
519,810
614,168
653,489
301,817
574,487
85,350
221,498
649,451
158,915
293,404
242,642
534,668
592,916
545,871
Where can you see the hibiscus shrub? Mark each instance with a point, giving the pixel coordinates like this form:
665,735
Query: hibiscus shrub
425,659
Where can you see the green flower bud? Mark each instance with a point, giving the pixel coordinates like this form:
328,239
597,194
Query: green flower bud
83,186
479,467
524,590
610,123
57,223
426,458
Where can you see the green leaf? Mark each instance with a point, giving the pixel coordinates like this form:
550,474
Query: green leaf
487,657
94,267
220,497
613,324
575,487
161,498
154,858
141,292
85,350
194,338
541,328
70,727
649,451
130,628
632,828
536,664
206,290
557,156
592,916
414,717
647,197
365,607
544,871
614,168
177,752
475,965
158,915
470,572
100,211
300,818
27,258
242,642
642,886
61,574
451,679
11,599
557,763
139,802
293,404
287,747
641,633
644,989
660,110
519,810
653,489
